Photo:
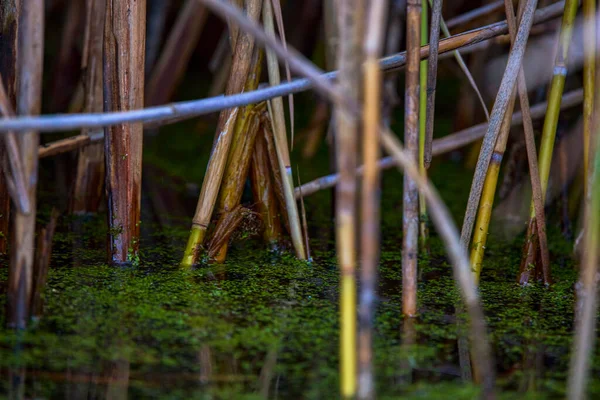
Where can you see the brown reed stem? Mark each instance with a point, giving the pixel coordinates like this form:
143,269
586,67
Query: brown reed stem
88,187
500,105
124,51
43,253
29,96
410,205
434,42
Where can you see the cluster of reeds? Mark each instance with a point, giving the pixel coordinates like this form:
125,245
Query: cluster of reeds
253,141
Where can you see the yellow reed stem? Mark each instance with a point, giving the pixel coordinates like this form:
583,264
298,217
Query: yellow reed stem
423,218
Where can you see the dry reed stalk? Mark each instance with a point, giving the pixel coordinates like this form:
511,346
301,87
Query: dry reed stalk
66,72
315,129
43,253
585,336
410,205
505,91
436,17
274,166
369,232
276,112
589,71
242,59
304,220
264,194
156,19
88,186
442,220
9,11
313,78
224,228
240,153
528,261
349,63
423,90
29,96
472,15
176,53
124,50
534,174
446,144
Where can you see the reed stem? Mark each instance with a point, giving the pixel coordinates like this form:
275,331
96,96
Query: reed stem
589,72
423,88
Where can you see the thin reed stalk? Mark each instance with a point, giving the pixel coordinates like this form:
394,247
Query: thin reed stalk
472,15
242,59
156,20
446,144
160,115
528,261
43,253
423,218
444,224
9,21
176,53
277,115
410,205
585,336
589,72
432,66
264,192
505,91
88,187
369,233
124,50
29,97
350,60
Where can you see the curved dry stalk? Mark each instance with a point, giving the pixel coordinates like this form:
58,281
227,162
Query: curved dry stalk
462,270
369,233
507,85
448,143
176,112
548,137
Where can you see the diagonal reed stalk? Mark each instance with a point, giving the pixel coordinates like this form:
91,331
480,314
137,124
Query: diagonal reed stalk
585,335
589,71
313,78
476,13
369,233
277,114
528,261
423,219
29,98
242,59
436,17
489,189
410,205
505,91
350,14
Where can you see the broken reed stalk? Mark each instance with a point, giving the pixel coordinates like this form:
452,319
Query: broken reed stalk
43,253
264,192
448,143
410,205
585,336
176,53
423,219
432,67
89,176
369,232
505,91
8,69
350,71
277,116
538,202
240,153
30,53
557,84
124,50
447,230
242,58
175,112
589,72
